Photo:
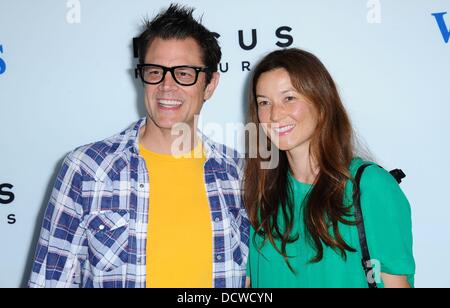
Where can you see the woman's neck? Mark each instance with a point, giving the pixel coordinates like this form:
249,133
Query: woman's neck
303,166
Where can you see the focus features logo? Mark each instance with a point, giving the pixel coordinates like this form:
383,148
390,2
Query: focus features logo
6,198
283,39
247,40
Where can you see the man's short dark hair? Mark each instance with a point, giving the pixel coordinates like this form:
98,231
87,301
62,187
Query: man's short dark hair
177,22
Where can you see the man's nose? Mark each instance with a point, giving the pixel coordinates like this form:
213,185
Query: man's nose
168,81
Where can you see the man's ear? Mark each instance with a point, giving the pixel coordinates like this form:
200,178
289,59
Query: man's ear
211,87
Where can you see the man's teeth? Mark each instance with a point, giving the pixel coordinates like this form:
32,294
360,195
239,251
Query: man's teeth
170,103
284,128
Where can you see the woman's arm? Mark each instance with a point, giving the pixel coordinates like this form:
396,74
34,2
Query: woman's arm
248,283
394,281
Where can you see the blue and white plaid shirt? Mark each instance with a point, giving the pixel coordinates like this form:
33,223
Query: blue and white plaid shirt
94,231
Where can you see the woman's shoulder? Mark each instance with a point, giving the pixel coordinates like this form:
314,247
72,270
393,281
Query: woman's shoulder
372,174
377,184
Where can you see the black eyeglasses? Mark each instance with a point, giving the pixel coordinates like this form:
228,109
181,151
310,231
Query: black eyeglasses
184,75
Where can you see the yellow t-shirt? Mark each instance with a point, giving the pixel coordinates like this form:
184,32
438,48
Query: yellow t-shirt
179,241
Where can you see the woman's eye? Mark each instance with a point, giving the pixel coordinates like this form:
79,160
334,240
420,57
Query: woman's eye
290,98
263,103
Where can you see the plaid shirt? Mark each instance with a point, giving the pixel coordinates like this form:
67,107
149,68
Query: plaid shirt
94,230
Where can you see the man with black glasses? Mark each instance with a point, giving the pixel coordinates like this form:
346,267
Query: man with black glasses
135,210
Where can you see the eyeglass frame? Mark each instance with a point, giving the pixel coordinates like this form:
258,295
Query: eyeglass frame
198,70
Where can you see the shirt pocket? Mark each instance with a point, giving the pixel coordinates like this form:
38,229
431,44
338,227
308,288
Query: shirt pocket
107,234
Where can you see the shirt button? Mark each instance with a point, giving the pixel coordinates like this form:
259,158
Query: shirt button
139,260
141,185
219,257
101,227
216,219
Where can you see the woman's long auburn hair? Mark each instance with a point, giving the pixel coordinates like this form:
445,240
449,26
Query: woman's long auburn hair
267,191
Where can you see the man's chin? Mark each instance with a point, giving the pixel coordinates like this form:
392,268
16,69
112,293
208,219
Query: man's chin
172,125
168,124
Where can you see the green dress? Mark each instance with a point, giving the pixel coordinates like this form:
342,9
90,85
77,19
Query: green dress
387,218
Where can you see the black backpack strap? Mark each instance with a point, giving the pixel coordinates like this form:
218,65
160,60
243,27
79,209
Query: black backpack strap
398,174
366,264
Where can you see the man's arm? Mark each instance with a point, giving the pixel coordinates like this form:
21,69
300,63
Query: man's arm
57,261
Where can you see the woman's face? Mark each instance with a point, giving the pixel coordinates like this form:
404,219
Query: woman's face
288,118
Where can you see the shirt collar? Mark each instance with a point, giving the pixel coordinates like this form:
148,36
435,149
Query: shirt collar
131,137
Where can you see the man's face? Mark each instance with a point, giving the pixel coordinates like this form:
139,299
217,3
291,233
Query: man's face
169,103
